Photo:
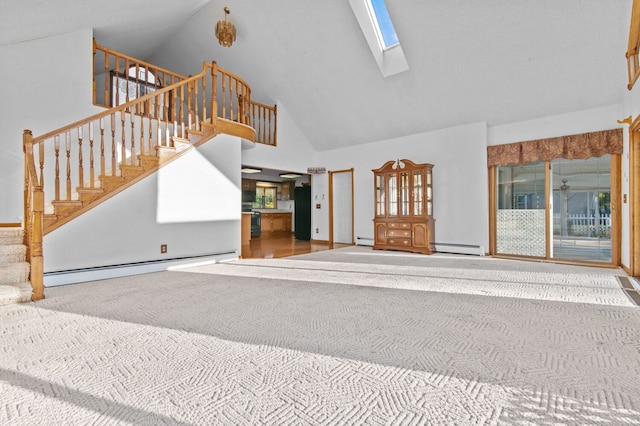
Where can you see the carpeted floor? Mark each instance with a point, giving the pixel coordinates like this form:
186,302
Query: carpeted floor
340,337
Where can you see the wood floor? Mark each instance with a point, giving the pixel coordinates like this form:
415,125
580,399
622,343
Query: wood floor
282,244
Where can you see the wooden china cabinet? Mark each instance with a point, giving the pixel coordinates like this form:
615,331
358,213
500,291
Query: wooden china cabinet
404,207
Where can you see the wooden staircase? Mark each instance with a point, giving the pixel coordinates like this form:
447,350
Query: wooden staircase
75,168
105,186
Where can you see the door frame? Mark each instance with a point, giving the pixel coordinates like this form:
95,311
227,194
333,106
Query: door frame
616,222
634,196
331,173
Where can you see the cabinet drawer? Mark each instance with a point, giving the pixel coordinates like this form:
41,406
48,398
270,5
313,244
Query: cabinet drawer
399,225
404,242
404,233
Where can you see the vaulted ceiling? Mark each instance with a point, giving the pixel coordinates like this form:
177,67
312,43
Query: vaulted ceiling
498,61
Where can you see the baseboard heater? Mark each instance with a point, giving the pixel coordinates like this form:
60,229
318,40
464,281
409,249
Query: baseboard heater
460,248
440,247
95,273
364,241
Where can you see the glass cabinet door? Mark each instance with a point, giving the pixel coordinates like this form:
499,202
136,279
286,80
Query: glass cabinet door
380,196
429,194
392,187
418,194
404,194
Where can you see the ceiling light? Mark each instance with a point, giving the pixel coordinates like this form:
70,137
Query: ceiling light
250,170
225,30
290,175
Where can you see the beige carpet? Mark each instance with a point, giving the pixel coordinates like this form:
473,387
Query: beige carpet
342,337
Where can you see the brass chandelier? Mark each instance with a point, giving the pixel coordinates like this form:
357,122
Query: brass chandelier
225,31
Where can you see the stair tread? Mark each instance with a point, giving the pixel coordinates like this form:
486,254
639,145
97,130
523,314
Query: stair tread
15,293
11,236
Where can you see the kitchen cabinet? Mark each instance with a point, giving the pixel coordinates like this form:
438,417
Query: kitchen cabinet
404,207
248,185
287,190
275,222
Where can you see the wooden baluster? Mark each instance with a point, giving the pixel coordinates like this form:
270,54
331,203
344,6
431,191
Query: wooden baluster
214,92
167,139
224,96
107,83
189,104
275,125
152,115
143,106
67,137
126,74
41,159
237,99
124,139
102,147
91,166
264,123
230,99
136,106
132,153
195,105
113,144
204,99
80,166
182,99
252,116
56,147
174,110
118,76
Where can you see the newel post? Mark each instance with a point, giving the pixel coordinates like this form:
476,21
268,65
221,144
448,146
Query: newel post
33,219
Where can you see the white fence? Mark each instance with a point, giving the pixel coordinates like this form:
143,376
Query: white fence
579,225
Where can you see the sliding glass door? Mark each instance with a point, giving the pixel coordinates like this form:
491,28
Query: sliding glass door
560,209
582,209
520,221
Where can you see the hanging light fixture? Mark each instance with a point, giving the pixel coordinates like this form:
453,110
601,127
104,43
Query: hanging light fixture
225,30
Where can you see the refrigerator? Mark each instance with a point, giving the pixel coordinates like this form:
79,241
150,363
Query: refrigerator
302,199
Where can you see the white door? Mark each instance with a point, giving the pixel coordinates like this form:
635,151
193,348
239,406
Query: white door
342,207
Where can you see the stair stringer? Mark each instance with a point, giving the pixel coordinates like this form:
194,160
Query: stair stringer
112,185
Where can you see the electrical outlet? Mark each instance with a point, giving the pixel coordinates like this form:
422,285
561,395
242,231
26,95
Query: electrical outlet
317,231
163,248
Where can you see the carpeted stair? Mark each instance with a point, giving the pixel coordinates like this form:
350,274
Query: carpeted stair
14,270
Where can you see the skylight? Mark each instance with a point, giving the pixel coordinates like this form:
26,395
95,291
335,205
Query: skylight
382,21
378,31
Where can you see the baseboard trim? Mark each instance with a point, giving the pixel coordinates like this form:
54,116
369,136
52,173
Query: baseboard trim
96,273
11,225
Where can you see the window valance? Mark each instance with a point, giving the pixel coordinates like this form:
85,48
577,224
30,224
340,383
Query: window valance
582,146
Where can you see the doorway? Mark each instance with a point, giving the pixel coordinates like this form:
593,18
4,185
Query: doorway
341,207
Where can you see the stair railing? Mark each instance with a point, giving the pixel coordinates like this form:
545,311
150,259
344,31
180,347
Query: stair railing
74,165
114,69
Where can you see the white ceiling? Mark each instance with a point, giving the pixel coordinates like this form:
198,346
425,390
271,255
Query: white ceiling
498,61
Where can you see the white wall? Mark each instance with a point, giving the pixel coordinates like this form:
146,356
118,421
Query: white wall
591,120
192,205
293,152
46,84
459,177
